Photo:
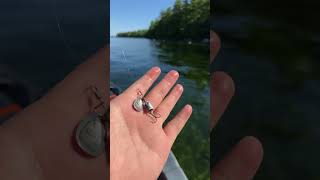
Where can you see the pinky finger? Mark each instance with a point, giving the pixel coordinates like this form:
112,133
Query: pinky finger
173,128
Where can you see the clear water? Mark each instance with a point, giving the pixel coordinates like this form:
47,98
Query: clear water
191,61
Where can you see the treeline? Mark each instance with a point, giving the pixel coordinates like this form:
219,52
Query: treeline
185,20
139,33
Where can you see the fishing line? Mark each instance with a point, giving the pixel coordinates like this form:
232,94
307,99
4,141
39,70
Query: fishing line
61,31
125,59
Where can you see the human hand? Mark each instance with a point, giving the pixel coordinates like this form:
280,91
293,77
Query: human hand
244,159
36,142
138,147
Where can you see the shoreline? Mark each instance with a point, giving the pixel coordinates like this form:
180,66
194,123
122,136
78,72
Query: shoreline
185,42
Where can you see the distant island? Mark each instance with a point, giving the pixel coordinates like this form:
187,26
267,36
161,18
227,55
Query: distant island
185,20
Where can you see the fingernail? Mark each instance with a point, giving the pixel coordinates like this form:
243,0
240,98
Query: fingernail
174,73
223,83
188,108
179,87
156,69
154,72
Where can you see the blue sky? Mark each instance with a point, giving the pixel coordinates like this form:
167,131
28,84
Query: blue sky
128,15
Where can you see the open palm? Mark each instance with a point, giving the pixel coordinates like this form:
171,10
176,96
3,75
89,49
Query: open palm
37,143
139,144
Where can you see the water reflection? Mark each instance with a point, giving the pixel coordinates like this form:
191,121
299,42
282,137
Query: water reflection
192,56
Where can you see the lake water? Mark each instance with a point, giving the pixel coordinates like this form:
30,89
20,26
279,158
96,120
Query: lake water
275,66
191,61
42,41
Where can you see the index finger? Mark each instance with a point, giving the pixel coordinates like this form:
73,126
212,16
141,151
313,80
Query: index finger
144,83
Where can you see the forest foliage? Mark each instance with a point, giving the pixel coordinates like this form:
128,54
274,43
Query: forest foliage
185,20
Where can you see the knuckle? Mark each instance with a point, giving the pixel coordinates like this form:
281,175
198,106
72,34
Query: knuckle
162,93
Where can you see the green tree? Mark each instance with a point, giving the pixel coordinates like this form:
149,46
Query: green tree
185,20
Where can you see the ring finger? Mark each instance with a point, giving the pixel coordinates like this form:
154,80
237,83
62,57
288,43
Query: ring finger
169,102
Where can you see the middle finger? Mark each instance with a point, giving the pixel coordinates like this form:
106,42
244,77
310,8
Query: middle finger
222,90
159,92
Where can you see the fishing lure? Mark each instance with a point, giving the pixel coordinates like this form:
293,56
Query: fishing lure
140,103
90,132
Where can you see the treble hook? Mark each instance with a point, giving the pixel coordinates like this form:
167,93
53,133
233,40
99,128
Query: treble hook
101,99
